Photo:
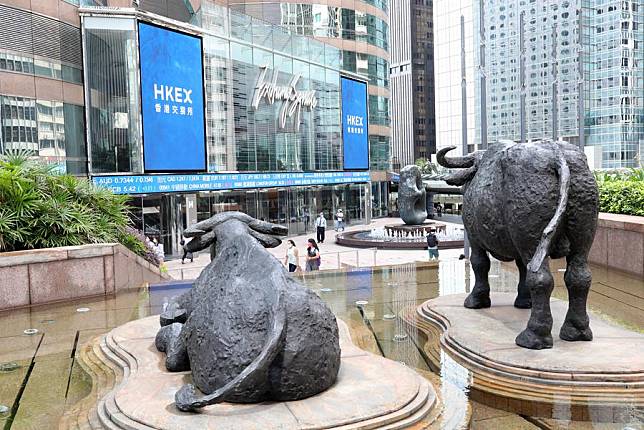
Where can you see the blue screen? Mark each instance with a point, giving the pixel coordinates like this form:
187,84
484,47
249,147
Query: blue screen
146,184
171,100
355,127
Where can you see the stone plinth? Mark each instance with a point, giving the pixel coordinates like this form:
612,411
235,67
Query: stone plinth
602,380
370,392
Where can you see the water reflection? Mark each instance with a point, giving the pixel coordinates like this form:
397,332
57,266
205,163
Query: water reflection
41,378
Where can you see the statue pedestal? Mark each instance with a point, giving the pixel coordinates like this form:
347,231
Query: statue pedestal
600,381
370,392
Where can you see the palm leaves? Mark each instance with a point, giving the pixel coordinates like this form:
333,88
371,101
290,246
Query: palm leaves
40,209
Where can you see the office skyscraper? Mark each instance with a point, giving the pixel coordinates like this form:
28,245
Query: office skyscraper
570,70
453,36
412,81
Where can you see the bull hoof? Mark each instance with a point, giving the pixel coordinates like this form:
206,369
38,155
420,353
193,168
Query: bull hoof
523,302
477,302
529,339
571,333
185,398
173,315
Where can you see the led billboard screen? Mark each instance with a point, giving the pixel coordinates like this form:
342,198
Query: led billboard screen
355,127
172,101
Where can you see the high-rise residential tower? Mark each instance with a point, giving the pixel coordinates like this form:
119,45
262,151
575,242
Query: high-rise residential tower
571,70
613,54
412,81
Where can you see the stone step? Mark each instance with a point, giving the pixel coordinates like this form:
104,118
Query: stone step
420,410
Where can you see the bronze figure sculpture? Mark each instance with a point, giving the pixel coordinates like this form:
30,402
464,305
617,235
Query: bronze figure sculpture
412,197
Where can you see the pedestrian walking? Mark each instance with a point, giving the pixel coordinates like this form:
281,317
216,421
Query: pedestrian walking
312,256
439,210
307,219
432,244
320,224
158,250
186,253
292,258
340,217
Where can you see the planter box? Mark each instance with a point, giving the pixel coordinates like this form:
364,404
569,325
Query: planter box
619,243
51,275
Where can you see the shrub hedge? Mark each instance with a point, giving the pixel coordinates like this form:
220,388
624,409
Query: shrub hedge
621,192
42,209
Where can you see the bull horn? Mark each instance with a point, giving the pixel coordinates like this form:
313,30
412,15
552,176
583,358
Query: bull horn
454,162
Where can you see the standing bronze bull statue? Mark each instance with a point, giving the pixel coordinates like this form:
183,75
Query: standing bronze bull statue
527,202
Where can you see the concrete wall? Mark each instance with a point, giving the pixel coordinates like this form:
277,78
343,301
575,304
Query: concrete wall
619,243
56,274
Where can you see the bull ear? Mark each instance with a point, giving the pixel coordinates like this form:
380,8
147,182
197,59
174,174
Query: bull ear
266,240
201,242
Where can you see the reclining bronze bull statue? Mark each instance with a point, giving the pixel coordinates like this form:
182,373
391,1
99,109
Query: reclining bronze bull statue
248,331
527,202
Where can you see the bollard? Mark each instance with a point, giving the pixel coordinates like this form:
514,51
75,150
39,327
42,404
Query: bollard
357,258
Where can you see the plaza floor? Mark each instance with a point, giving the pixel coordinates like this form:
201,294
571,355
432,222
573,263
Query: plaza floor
334,256
42,376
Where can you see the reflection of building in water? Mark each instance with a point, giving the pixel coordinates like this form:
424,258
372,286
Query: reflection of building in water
455,383
403,295
454,277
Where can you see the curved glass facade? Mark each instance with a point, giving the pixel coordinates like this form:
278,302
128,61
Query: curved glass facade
241,135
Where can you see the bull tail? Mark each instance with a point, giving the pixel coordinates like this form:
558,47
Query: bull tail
546,237
187,399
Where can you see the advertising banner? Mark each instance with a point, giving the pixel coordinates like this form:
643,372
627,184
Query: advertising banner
355,127
148,184
172,100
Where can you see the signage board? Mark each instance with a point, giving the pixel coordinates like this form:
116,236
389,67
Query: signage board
148,184
291,98
172,100
355,124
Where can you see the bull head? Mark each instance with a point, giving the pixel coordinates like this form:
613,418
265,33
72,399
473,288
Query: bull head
204,232
469,162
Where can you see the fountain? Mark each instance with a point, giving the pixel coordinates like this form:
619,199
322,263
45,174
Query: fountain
413,232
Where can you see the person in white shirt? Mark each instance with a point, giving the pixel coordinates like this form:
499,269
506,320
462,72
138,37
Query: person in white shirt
292,258
320,224
340,217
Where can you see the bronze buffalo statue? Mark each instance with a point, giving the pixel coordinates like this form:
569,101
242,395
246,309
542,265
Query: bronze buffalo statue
248,331
529,202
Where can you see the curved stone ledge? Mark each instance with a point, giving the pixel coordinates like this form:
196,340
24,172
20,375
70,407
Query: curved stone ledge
602,380
371,392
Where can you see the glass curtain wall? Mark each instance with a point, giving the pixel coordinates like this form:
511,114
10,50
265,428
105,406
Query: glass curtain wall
244,138
113,96
294,207
53,131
